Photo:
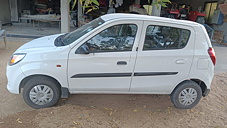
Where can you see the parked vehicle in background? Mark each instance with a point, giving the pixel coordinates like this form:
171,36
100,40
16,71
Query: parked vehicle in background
116,54
184,11
197,16
171,11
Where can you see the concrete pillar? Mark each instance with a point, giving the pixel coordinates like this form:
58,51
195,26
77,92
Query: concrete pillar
156,10
65,16
79,11
14,10
5,13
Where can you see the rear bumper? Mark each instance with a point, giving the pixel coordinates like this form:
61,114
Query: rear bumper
206,92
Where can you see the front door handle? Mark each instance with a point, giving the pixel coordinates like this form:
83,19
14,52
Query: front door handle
121,63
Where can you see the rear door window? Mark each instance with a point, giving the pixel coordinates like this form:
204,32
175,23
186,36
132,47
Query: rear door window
163,38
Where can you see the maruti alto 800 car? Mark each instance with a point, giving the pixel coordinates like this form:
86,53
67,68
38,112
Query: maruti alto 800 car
116,54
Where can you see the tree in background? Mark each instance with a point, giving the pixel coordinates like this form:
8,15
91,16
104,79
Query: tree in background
160,2
93,4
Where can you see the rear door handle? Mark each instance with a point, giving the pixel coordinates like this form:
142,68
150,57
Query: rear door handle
121,63
181,61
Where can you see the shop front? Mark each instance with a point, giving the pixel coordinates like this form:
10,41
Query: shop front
202,11
206,12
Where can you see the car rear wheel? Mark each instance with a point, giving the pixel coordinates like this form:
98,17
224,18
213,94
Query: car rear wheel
187,95
41,92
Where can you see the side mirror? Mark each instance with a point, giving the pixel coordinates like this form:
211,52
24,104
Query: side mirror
83,49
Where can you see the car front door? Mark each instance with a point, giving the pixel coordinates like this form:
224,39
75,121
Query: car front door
164,57
105,60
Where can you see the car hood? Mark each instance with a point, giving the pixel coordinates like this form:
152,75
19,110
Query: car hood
43,42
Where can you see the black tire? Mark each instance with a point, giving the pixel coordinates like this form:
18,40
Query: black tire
187,100
41,92
200,20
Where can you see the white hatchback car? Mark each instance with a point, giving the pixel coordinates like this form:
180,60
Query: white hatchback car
116,54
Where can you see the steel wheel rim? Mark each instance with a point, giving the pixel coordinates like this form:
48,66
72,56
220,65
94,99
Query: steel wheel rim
188,96
41,94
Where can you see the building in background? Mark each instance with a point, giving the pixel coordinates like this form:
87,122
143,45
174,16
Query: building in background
12,10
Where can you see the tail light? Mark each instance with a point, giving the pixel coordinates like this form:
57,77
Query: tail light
212,55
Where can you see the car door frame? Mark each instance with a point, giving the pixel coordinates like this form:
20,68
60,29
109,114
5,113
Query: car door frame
96,31
160,89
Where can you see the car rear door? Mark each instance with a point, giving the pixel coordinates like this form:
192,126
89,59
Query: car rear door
164,57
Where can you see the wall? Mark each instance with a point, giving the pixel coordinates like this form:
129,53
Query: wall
222,28
5,15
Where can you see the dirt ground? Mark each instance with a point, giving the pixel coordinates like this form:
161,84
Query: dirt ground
111,111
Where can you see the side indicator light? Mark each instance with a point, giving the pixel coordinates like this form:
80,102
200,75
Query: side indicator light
58,65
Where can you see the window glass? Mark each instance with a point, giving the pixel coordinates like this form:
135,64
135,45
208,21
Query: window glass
116,38
162,37
73,36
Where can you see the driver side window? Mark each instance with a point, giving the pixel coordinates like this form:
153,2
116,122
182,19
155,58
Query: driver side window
113,39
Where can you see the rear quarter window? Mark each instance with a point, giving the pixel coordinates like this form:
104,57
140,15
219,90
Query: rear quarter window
163,38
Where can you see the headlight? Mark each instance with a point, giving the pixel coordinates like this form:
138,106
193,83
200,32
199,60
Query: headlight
16,58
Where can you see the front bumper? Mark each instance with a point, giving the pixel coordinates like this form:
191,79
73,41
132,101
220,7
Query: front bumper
14,77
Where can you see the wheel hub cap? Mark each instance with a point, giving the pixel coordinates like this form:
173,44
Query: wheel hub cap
187,96
41,94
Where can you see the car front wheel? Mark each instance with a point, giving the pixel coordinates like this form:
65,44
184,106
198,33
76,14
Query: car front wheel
41,92
187,95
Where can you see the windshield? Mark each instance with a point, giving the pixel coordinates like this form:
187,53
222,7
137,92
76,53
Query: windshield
71,37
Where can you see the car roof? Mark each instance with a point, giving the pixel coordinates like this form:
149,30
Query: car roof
115,16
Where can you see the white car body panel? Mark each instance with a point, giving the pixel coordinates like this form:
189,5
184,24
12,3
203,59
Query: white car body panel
40,42
43,58
159,62
40,64
53,57
206,75
102,63
14,76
